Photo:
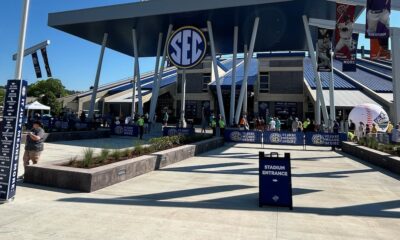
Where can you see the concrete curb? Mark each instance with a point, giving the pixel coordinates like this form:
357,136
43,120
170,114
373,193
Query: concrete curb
378,158
52,174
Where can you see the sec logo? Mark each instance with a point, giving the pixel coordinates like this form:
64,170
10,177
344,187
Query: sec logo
275,138
187,47
236,136
318,139
119,130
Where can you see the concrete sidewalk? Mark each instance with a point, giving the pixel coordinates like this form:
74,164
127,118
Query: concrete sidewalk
215,196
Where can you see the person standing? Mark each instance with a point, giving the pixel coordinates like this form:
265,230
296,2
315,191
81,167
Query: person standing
272,125
165,118
214,126
278,124
360,131
221,124
140,123
295,125
34,144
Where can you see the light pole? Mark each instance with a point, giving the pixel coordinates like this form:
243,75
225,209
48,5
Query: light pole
22,37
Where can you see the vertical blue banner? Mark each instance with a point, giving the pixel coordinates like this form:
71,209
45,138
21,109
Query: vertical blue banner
14,106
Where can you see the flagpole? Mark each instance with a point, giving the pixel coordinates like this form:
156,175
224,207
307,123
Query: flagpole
22,37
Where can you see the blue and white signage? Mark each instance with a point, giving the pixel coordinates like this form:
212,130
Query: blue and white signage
11,130
242,136
187,47
168,131
285,138
325,139
125,130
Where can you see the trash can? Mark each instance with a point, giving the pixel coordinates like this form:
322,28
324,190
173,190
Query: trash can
275,180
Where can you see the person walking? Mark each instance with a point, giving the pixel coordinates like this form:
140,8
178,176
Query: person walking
140,123
34,144
295,125
360,131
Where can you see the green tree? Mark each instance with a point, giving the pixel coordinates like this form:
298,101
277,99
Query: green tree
43,87
47,92
2,95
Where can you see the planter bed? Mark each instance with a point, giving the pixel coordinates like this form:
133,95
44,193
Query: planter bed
375,157
56,174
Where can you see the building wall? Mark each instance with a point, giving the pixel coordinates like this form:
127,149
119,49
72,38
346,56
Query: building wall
286,87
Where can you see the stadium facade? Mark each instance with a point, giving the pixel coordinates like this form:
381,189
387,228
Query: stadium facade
280,76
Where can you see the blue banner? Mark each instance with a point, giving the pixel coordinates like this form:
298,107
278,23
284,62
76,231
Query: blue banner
14,106
239,136
284,138
325,139
169,131
125,130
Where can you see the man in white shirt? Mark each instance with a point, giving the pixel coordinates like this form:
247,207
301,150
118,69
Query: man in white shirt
272,124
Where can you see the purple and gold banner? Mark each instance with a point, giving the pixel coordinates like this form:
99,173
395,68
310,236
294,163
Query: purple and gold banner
344,31
324,46
378,19
350,65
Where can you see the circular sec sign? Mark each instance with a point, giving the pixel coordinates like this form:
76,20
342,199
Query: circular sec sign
187,47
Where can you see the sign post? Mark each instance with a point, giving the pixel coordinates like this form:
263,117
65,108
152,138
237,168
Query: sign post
275,180
11,130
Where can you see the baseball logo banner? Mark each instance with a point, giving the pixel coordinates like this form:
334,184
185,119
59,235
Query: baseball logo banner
46,61
324,46
378,19
380,49
344,31
350,65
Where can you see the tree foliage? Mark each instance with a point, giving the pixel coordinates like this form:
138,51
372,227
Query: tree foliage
47,92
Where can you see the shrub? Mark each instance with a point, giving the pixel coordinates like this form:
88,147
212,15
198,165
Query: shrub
87,157
138,148
116,154
105,153
126,153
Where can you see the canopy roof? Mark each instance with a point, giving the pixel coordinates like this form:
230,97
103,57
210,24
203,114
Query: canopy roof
36,106
281,27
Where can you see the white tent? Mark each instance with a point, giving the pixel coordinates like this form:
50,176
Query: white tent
36,106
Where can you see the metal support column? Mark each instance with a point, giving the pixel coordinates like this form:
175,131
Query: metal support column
332,108
315,67
22,37
160,74
233,85
246,70
246,55
154,92
395,45
183,100
137,68
96,81
216,74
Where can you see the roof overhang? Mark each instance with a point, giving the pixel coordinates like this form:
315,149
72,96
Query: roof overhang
281,27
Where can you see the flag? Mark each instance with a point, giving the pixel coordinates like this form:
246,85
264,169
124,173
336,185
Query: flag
46,62
36,65
378,19
324,46
351,65
380,49
344,31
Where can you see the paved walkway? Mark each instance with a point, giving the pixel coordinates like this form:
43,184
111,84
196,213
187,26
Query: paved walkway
215,196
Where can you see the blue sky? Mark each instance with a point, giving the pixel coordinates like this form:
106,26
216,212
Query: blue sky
73,60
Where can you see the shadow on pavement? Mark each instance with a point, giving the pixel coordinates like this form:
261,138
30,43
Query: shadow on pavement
248,202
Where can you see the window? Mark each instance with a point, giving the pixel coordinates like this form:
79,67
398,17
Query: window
206,81
264,82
